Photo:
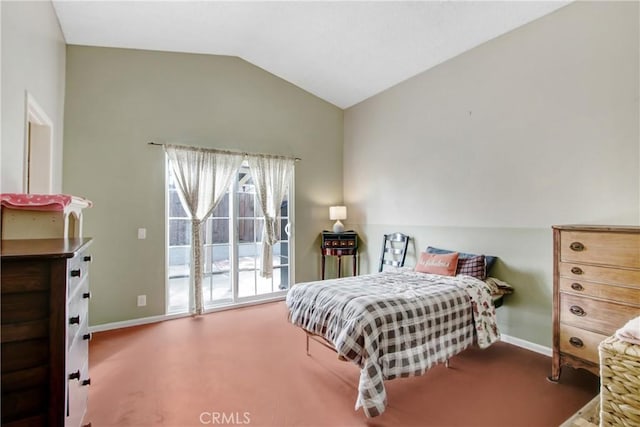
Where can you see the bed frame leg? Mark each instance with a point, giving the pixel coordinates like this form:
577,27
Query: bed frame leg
446,363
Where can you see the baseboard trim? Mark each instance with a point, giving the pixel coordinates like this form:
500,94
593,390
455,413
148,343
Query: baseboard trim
135,322
161,318
527,345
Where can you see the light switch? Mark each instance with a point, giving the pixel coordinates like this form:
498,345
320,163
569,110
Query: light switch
142,233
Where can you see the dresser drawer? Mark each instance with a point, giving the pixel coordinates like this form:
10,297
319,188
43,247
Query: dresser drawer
77,380
78,393
78,312
594,273
595,315
78,270
77,404
77,359
78,386
580,343
630,295
614,249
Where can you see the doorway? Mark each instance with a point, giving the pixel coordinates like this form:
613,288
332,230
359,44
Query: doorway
38,176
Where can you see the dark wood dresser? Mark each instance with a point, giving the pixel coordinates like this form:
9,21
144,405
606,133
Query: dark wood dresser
45,292
596,290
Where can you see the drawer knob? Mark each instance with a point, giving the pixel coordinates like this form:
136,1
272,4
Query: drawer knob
576,246
577,287
577,310
576,270
74,375
87,258
86,295
75,320
75,273
576,342
86,382
88,336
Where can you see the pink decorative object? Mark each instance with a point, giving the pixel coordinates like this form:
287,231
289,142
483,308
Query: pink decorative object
41,216
443,264
38,202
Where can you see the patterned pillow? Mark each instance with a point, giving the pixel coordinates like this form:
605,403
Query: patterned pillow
443,264
490,260
474,266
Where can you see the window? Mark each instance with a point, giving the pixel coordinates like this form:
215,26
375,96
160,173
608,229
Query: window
232,237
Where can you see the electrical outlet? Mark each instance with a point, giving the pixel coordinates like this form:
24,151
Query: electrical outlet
142,233
142,300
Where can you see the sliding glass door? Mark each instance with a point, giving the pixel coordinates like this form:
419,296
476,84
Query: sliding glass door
232,239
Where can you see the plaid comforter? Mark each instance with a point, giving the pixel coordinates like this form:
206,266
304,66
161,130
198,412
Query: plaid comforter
395,324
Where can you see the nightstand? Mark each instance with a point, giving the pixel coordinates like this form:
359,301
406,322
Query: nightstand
339,245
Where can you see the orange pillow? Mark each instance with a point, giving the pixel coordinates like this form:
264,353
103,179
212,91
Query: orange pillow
443,264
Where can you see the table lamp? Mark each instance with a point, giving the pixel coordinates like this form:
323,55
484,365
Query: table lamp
338,213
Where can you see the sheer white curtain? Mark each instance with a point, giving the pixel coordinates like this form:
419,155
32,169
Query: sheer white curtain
271,176
202,179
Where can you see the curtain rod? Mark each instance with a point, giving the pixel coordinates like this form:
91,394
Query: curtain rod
297,159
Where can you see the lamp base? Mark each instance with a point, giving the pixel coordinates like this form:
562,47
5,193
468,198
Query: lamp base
338,227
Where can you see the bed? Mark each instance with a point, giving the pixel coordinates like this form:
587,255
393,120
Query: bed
395,323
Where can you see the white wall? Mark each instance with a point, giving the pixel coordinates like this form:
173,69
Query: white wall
488,150
33,60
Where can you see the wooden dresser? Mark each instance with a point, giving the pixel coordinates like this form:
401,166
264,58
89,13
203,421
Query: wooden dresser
596,290
45,292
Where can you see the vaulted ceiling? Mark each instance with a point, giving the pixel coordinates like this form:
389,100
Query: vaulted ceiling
341,51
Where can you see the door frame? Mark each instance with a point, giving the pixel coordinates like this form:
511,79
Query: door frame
38,148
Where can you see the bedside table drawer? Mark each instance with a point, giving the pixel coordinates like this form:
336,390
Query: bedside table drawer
78,271
339,244
348,239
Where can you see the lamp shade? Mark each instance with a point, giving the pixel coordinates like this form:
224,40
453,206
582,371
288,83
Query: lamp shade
338,212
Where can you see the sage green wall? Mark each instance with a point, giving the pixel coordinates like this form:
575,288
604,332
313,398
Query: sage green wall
117,100
33,60
485,152
525,261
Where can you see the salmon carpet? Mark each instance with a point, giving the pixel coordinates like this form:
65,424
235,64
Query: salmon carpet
248,366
